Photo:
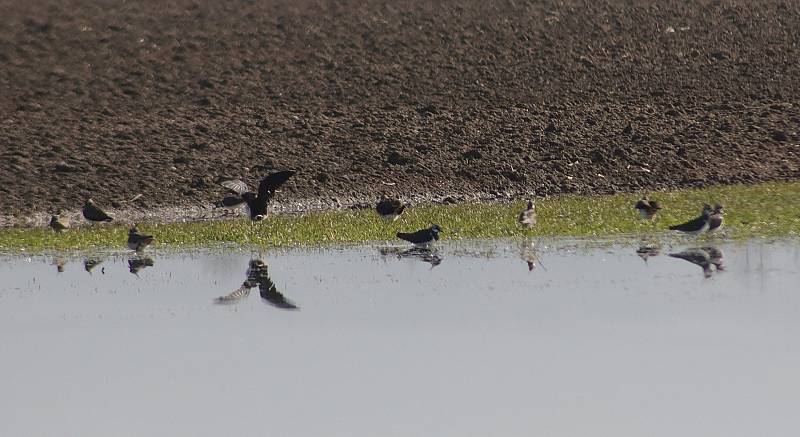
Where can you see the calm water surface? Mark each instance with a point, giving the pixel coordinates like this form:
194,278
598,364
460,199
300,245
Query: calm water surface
468,341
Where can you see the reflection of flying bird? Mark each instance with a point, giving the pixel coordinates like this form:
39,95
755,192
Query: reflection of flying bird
93,213
696,256
256,203
258,276
697,225
390,209
715,220
647,208
527,218
137,241
423,237
136,264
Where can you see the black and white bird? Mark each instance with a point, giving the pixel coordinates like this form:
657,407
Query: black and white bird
716,219
696,256
647,208
390,209
137,241
258,276
93,213
256,202
697,225
527,218
423,237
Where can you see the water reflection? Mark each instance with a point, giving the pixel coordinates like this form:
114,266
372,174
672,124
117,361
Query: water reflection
527,252
90,263
430,256
648,251
59,263
705,257
138,263
258,276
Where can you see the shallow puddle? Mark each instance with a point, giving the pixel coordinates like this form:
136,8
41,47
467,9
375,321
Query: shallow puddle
494,338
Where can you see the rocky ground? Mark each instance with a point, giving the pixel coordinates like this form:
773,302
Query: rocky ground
422,99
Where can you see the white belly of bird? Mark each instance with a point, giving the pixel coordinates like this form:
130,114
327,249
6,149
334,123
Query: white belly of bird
390,217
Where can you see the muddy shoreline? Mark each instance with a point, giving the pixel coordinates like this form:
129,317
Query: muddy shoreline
427,101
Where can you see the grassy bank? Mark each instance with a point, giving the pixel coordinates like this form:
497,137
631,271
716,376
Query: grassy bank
766,210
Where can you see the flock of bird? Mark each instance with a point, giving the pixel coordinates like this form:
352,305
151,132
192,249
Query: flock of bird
709,220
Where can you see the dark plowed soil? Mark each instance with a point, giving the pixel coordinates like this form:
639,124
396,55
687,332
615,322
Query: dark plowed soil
111,99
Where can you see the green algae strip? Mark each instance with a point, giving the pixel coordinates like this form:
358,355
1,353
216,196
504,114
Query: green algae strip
764,210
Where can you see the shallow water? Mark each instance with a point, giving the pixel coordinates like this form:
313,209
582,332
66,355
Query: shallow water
464,342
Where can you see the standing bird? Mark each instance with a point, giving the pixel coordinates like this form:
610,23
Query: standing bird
256,203
697,225
715,220
647,208
389,209
137,241
423,237
93,213
59,222
527,218
696,256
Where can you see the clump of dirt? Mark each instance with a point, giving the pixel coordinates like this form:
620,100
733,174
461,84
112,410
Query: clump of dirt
417,99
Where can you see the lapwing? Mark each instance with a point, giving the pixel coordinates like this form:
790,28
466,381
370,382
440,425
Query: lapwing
257,203
696,256
59,222
137,241
647,208
93,213
136,264
715,256
697,225
390,209
715,220
258,276
423,237
527,218
90,263
527,252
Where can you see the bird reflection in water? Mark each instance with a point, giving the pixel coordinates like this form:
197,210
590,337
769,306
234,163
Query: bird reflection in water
527,252
648,251
430,256
90,263
705,257
258,276
138,263
59,263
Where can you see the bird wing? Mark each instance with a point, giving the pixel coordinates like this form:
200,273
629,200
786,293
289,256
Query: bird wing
389,206
420,236
235,295
272,182
273,296
92,212
235,185
229,202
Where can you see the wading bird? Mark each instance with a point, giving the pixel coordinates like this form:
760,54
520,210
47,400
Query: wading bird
527,218
423,237
697,225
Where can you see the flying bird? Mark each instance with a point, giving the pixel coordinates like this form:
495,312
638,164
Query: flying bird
527,218
389,209
256,203
697,225
647,208
93,213
137,241
423,237
715,220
